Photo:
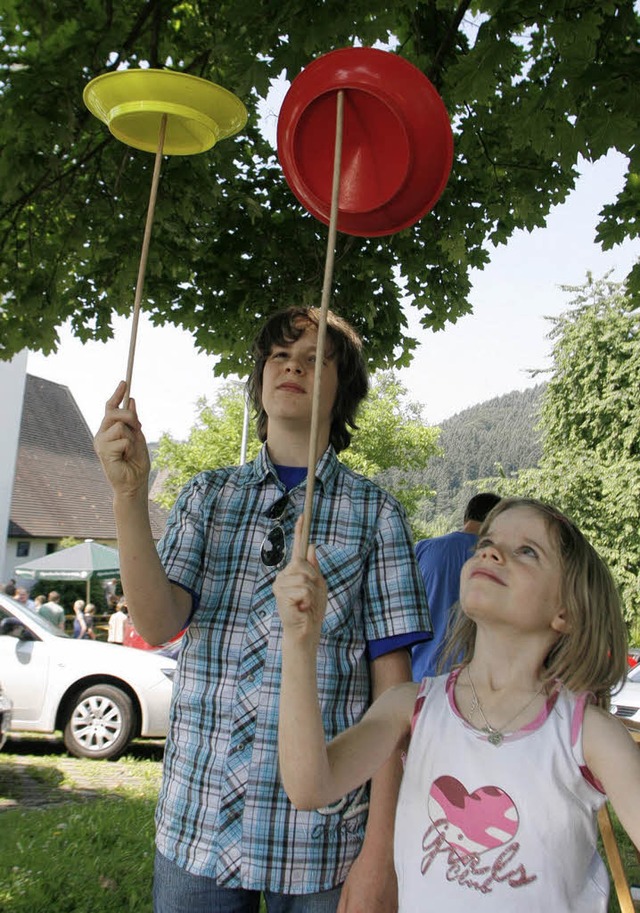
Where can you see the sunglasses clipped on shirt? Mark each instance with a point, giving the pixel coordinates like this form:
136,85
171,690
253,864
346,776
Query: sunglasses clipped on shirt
273,551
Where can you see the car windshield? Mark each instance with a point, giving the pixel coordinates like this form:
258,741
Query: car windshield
29,616
634,674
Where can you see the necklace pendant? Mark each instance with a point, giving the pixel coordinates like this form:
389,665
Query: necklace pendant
494,737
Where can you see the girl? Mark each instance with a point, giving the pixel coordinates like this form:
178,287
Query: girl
79,623
89,617
511,755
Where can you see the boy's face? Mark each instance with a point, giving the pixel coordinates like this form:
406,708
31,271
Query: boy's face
288,381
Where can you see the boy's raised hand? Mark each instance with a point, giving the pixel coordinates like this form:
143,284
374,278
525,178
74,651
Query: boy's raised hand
301,592
121,446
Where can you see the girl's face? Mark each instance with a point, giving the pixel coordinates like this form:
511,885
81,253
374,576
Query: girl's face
514,577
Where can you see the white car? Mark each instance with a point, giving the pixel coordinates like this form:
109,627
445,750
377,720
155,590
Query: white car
626,703
99,695
5,715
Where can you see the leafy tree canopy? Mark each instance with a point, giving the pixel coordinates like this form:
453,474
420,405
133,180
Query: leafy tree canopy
592,396
591,430
390,433
530,85
214,441
392,444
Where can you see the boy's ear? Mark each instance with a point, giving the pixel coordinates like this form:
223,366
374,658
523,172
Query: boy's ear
560,623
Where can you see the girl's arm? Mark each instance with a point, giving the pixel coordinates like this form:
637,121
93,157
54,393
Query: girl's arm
614,758
313,773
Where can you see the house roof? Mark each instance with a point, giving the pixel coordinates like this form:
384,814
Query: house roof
59,488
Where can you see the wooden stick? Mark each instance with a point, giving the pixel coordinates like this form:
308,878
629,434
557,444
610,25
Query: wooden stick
621,884
322,324
143,257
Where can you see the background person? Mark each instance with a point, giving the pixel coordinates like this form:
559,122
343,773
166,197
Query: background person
90,622
117,622
510,755
22,596
52,610
79,624
225,829
440,561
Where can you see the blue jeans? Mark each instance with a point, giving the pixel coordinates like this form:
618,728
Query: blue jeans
177,891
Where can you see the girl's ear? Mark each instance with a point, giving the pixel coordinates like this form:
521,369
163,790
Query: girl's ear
560,623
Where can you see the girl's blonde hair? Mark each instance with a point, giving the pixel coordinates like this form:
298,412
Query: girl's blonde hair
592,655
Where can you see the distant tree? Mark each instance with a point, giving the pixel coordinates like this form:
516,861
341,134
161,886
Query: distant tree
531,88
591,429
497,436
214,441
392,435
591,402
391,431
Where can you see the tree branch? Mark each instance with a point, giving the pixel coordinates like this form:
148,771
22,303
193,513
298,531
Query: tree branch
447,41
46,183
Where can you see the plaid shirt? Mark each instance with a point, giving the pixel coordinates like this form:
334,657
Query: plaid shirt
222,810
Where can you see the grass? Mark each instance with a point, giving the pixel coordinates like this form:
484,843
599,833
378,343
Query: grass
91,852
91,849
75,858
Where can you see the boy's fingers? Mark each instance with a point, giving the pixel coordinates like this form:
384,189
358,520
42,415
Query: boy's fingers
118,395
297,545
297,539
134,409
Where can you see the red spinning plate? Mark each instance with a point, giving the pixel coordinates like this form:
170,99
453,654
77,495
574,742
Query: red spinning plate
397,145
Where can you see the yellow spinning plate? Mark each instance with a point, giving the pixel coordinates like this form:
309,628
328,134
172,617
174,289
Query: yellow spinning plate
132,102
165,112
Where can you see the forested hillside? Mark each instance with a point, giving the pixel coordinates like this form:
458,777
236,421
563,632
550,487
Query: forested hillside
495,436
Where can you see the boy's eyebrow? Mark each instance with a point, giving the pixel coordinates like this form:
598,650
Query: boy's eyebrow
329,351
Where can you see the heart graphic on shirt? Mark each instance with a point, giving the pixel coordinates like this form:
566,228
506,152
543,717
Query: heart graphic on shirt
472,823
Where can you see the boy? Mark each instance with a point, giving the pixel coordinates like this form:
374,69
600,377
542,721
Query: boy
226,831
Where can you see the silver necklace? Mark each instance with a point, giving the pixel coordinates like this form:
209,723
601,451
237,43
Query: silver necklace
495,736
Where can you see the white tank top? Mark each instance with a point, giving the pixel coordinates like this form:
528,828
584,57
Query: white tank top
501,828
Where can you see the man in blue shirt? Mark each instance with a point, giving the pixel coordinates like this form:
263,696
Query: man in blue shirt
440,561
226,831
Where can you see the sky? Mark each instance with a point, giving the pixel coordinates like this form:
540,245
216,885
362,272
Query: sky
485,354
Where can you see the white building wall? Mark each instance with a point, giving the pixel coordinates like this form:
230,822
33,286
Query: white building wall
12,382
37,549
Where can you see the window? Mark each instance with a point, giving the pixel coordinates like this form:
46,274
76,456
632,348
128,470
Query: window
51,547
22,550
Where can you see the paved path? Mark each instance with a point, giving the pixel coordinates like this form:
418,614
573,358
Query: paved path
39,773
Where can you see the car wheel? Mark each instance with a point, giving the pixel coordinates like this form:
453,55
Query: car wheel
100,723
